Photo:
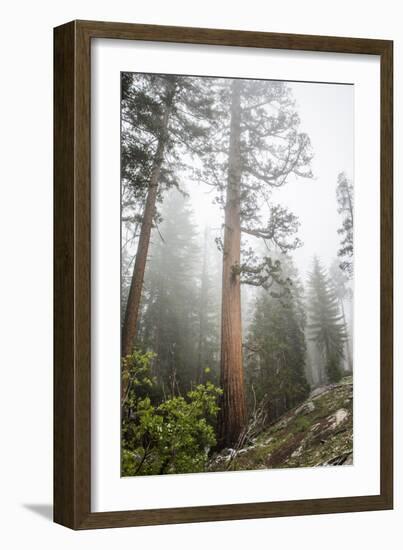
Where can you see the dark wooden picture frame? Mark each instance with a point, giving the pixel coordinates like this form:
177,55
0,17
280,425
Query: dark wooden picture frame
72,289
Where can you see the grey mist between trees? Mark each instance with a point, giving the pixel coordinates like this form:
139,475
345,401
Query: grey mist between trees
237,272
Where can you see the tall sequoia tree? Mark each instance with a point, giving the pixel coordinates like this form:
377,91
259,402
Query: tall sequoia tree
233,404
325,322
345,207
257,150
161,114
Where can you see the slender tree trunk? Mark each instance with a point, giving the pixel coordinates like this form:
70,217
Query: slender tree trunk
348,351
202,314
133,301
326,363
350,206
232,416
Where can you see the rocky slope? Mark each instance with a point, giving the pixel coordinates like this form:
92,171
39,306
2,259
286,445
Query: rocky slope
319,432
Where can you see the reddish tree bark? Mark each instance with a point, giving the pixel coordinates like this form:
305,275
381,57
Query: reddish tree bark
232,415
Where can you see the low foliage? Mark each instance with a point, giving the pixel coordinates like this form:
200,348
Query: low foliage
174,436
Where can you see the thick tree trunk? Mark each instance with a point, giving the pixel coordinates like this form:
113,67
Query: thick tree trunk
232,416
133,301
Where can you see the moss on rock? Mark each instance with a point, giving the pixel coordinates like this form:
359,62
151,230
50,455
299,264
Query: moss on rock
318,432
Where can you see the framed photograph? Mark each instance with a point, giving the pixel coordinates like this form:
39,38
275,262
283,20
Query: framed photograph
222,275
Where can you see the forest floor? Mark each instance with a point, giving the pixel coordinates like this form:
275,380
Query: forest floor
318,432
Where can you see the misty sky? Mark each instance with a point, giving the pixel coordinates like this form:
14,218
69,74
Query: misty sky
326,112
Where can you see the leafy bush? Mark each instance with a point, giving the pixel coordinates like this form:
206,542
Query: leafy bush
174,436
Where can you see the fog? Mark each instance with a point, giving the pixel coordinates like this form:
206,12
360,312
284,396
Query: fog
237,268
178,314
327,116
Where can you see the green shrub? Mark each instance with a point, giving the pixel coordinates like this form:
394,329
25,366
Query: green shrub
174,436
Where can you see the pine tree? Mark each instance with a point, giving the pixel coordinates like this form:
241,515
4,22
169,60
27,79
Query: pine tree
276,349
344,293
345,202
169,322
325,323
208,314
161,115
